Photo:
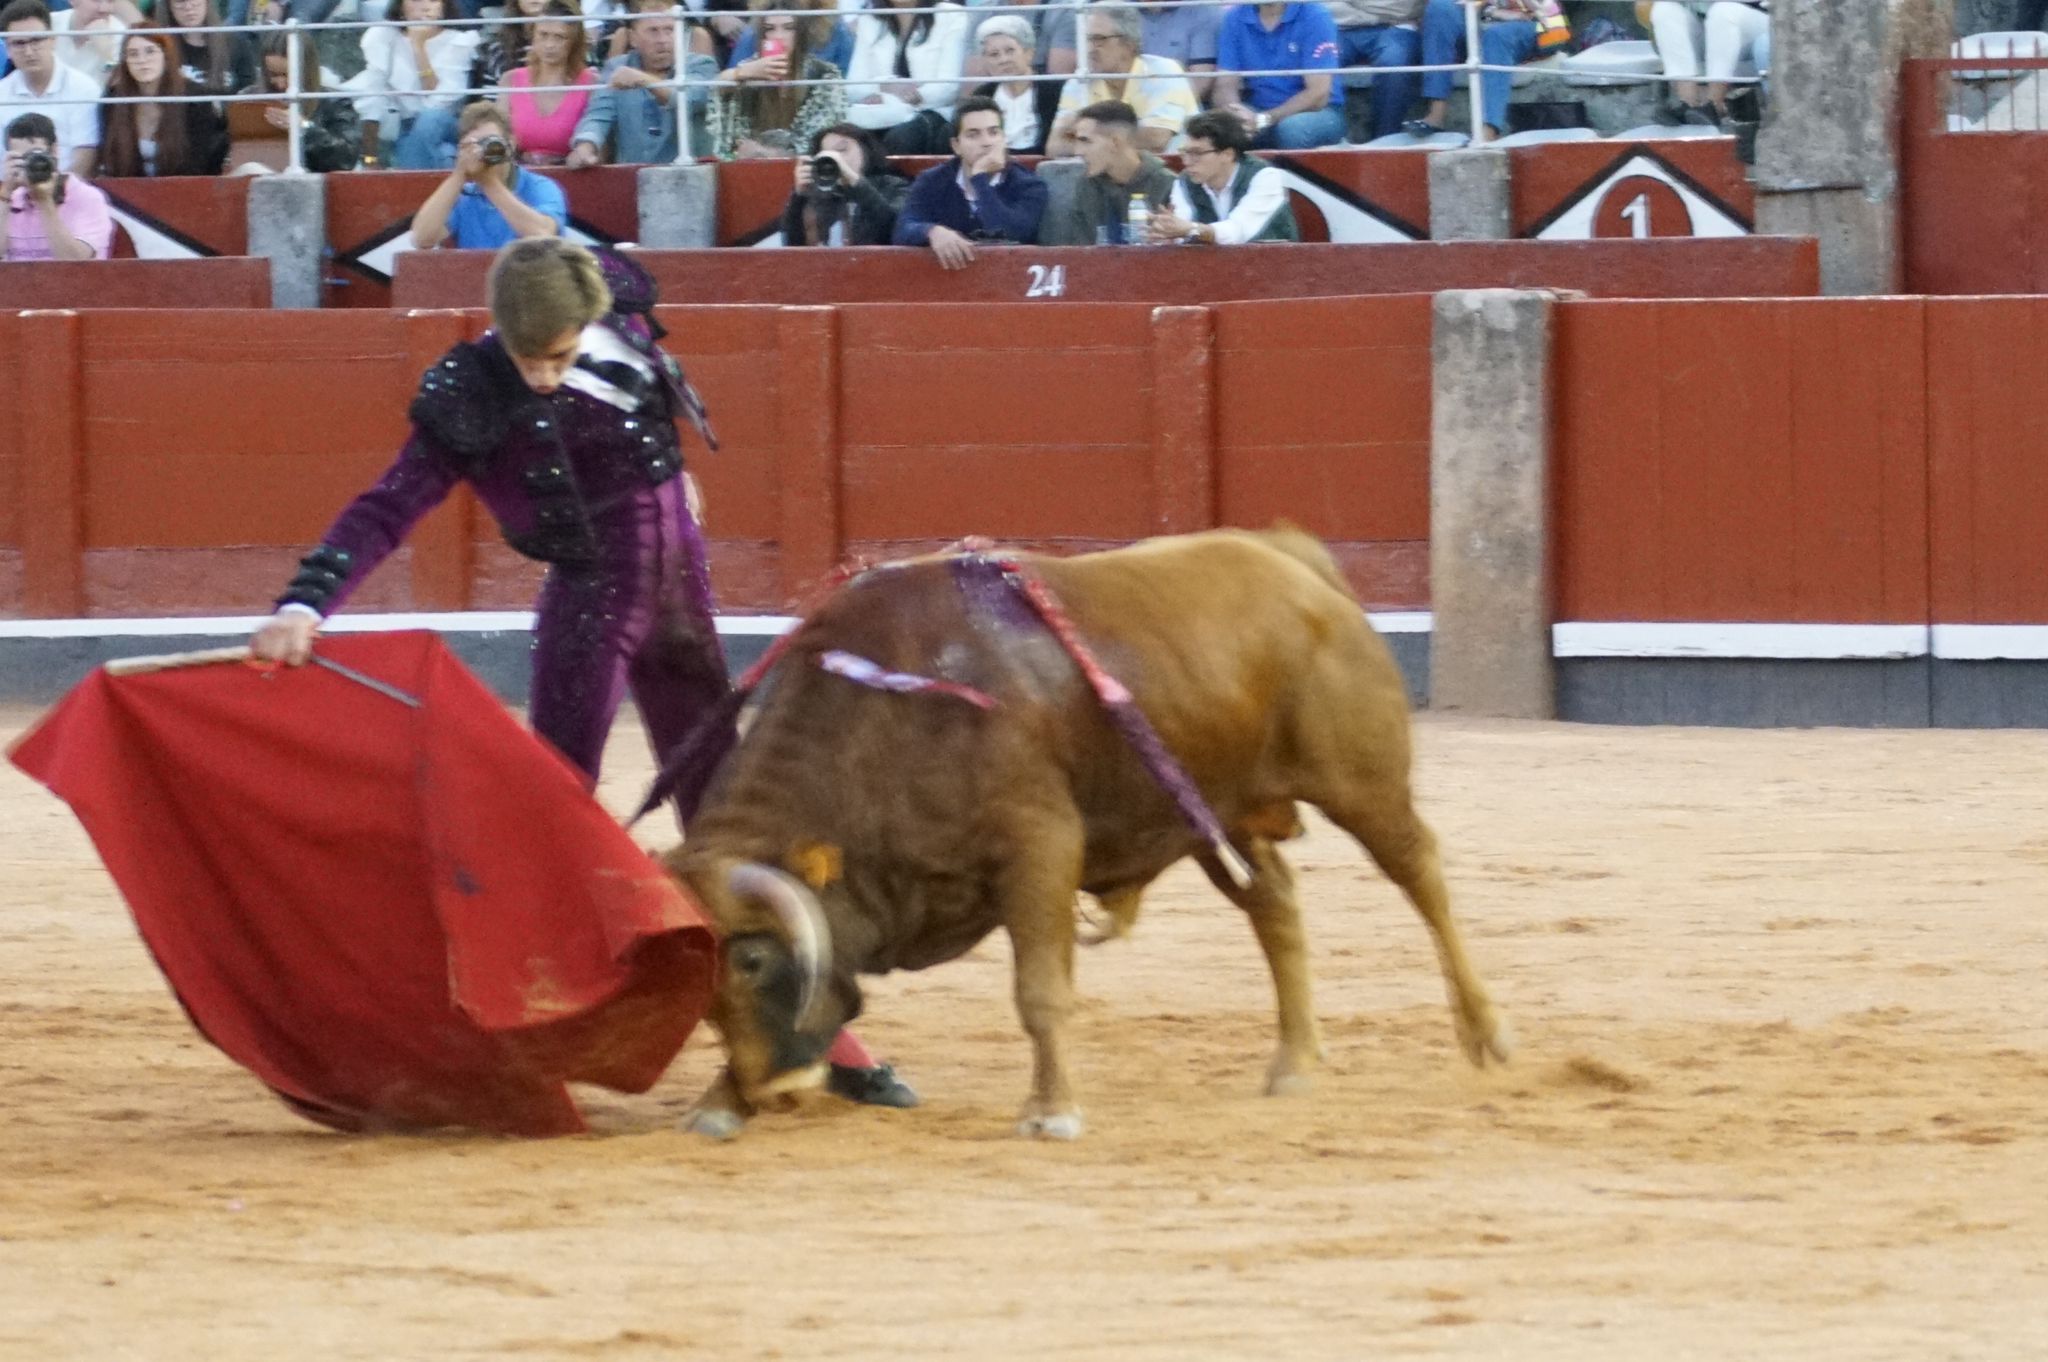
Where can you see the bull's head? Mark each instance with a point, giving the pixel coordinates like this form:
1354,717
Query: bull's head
776,1006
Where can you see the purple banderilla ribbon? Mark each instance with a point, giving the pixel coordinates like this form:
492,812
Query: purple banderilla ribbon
854,667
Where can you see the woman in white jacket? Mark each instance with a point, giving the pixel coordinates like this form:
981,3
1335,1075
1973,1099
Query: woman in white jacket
905,75
413,68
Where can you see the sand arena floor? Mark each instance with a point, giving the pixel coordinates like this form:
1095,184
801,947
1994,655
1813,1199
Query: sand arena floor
1782,1092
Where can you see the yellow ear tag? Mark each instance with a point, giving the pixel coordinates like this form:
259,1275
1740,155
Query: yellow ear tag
817,864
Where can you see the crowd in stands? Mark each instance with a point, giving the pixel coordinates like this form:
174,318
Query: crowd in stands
853,83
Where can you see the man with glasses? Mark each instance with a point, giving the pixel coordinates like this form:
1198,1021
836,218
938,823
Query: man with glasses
1226,196
1156,88
41,84
489,199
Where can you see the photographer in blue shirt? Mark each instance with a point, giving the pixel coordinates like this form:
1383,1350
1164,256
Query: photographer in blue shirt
488,199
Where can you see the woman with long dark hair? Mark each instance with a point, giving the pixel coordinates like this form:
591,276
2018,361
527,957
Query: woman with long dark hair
331,132
215,63
156,138
754,113
905,76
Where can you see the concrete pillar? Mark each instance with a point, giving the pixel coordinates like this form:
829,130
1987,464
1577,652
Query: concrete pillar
1489,504
1827,161
679,206
1468,195
288,227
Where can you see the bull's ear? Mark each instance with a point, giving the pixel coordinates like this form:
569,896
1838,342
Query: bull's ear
817,864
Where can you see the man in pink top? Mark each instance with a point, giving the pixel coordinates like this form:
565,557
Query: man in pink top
50,216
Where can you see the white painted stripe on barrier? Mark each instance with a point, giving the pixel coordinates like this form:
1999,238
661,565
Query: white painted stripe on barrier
1762,641
453,622
1988,642
459,622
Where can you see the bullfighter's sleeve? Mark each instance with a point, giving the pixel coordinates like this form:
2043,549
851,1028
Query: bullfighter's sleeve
374,524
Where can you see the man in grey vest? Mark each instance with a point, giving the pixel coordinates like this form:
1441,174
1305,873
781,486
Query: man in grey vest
1226,196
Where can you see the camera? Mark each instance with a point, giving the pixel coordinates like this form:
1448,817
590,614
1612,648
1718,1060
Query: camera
825,173
495,151
38,166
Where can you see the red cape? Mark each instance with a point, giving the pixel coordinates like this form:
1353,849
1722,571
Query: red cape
397,915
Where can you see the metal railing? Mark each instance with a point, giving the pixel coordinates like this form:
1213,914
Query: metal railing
679,85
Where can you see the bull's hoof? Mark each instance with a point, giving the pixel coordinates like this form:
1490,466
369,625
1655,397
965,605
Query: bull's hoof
1065,1125
714,1123
1289,1085
1490,1038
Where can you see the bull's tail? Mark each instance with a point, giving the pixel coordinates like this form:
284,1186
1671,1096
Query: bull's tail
1304,548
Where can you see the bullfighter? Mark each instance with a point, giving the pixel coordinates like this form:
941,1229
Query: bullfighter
562,418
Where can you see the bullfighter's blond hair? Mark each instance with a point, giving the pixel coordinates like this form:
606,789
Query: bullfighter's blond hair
541,287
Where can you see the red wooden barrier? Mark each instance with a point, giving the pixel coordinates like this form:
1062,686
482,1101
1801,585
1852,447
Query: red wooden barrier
1773,267
1323,419
12,469
225,282
1742,461
1987,479
1974,215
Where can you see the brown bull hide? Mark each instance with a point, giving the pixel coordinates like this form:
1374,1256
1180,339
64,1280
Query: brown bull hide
946,821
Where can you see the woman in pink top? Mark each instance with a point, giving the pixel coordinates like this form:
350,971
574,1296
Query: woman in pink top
543,123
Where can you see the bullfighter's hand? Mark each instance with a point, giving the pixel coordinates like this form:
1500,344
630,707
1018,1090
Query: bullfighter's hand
955,252
286,636
693,497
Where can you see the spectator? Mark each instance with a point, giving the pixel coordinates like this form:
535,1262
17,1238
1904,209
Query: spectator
1383,33
632,117
860,208
906,73
1730,29
1155,87
1052,47
1184,33
836,48
331,133
1226,196
213,63
488,199
1290,112
89,37
545,124
410,69
39,83
157,138
58,218
1028,106
975,196
1508,36
1119,170
753,115
503,50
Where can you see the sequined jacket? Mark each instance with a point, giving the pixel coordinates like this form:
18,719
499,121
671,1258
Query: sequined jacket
553,471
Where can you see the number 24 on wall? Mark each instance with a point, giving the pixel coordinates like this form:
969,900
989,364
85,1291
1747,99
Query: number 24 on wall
1047,281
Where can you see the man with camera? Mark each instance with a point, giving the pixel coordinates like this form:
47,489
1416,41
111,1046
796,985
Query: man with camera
846,194
488,199
50,215
976,196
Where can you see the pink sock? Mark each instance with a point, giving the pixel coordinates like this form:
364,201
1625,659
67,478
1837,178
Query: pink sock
848,1050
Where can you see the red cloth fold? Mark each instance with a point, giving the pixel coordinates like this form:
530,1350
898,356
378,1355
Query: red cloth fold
396,916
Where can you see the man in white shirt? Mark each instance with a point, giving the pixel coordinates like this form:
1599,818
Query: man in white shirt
89,37
1226,196
39,83
1155,87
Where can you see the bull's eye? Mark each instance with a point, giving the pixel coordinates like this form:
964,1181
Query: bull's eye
752,958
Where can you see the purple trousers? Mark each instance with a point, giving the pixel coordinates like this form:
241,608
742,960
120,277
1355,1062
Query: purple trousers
638,618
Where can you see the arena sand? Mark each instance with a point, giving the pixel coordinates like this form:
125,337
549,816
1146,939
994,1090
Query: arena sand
1782,1092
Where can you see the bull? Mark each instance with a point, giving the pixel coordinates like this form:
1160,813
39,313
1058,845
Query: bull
856,831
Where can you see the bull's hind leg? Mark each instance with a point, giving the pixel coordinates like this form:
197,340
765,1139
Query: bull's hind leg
1275,916
1037,893
1404,847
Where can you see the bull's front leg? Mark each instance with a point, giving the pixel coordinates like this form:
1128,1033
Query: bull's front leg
1039,914
721,1112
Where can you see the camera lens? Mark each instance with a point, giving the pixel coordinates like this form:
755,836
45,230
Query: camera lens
38,167
824,172
496,151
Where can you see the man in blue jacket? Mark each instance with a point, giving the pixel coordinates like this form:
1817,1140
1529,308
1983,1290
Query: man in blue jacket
976,196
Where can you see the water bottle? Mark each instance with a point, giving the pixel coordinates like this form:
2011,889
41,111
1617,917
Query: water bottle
1138,222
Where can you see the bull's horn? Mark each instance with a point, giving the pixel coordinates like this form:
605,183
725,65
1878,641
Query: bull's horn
796,909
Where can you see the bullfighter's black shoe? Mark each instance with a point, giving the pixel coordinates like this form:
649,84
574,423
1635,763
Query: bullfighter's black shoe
875,1087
